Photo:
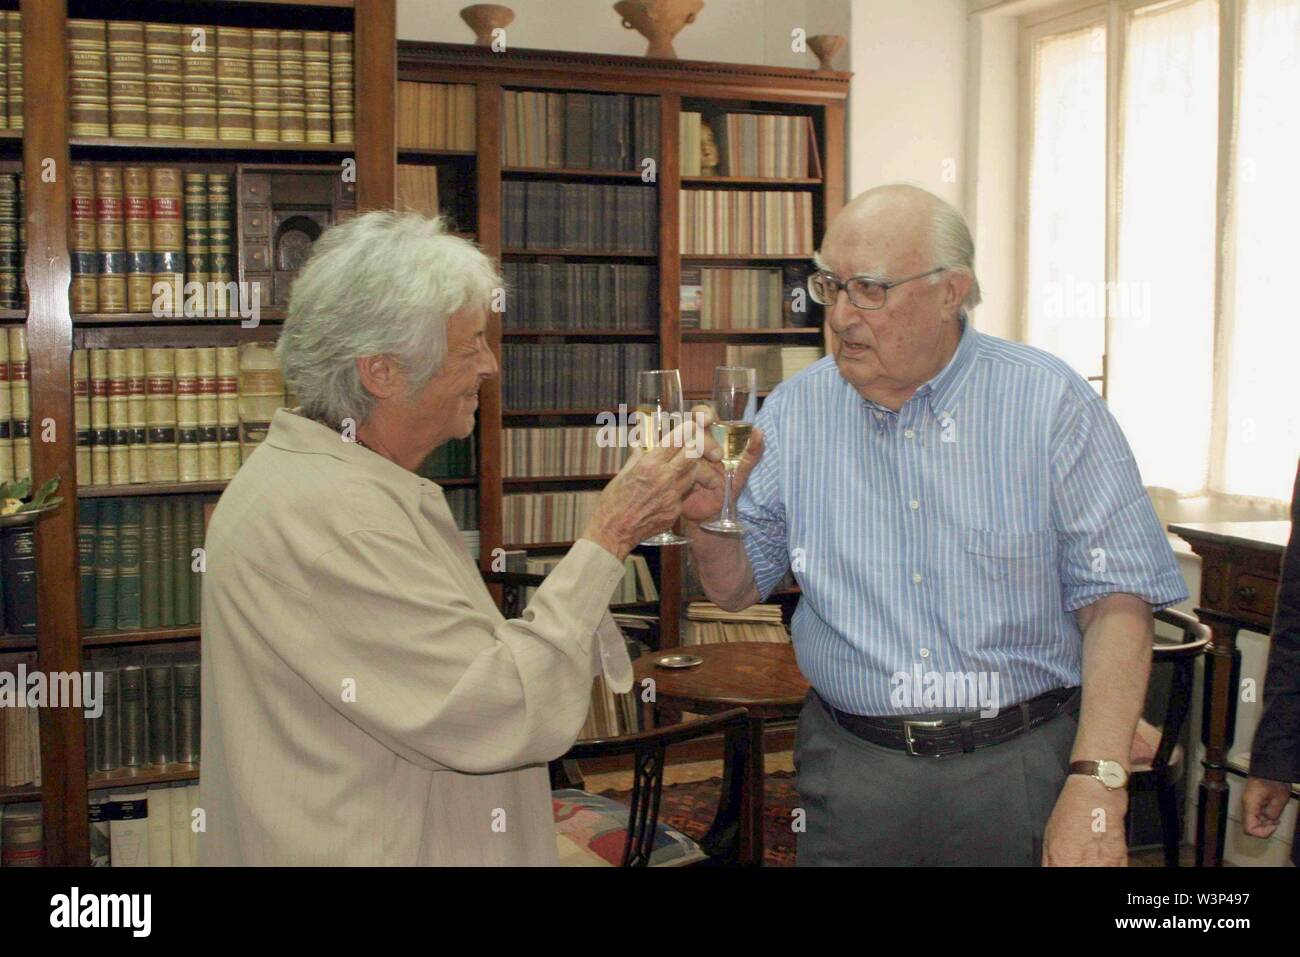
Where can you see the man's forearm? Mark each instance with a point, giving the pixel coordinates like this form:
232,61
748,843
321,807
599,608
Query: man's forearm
724,568
1116,664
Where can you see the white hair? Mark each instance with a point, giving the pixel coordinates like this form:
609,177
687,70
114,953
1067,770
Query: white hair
953,248
384,283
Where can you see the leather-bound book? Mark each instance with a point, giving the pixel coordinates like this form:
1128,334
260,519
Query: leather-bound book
208,415
19,564
119,425
266,86
167,224
110,239
293,94
100,438
342,103
134,726
87,537
20,374
164,79
138,233
14,52
82,239
128,565
137,415
150,559
128,97
261,392
228,446
188,711
234,83
199,87
196,235
187,415
87,78
106,564
161,711
160,389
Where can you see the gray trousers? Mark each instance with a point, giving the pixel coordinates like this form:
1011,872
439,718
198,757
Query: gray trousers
867,805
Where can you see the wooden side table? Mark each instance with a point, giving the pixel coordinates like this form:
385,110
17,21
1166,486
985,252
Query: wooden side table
758,676
1240,572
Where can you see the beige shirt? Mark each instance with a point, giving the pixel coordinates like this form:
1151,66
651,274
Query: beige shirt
364,701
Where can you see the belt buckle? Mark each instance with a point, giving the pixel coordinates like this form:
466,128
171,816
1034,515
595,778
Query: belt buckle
907,734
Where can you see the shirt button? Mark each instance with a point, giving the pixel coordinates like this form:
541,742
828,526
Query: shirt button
915,504
910,434
925,652
916,577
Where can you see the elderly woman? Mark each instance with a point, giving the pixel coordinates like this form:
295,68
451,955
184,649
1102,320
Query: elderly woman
364,701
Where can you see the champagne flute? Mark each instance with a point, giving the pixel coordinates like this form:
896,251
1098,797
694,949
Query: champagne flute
658,404
735,403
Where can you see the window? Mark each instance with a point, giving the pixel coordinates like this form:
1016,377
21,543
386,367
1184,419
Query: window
1157,244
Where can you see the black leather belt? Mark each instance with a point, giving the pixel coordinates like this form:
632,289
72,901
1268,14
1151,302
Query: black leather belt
926,736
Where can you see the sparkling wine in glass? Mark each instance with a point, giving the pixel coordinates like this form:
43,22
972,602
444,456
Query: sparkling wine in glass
658,409
735,403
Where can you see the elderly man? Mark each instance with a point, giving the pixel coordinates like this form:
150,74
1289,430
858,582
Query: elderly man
973,544
364,701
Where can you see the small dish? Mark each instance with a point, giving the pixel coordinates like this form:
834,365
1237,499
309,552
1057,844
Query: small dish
679,661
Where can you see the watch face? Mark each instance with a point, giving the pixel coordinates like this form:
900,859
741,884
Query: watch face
1112,774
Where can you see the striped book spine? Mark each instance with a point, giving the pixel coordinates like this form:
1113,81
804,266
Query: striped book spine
221,260
87,78
160,394
209,421
99,435
14,52
266,87
293,91
199,59
261,392
20,375
80,413
180,515
228,446
6,414
168,230
138,238
195,505
82,241
119,427
316,84
128,98
196,237
128,565
4,77
110,239
11,265
149,559
22,241
342,110
137,415
164,80
106,565
87,530
234,83
166,566
187,415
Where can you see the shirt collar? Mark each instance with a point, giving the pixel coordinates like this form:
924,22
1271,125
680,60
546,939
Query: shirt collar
294,432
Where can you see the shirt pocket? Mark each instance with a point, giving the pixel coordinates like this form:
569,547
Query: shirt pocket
1014,557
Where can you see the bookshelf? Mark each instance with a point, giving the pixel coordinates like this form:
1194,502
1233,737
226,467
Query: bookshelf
492,166
63,641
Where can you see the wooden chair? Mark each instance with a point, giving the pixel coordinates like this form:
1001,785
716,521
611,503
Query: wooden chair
1156,762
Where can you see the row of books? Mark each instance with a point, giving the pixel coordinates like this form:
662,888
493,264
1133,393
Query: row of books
572,375
746,222
611,715
601,217
463,503
750,144
436,116
578,130
18,580
141,561
15,405
133,226
174,81
544,517
707,624
22,835
172,415
739,298
546,295
453,459
20,735
636,585
772,364
564,450
150,712
13,241
11,70
154,826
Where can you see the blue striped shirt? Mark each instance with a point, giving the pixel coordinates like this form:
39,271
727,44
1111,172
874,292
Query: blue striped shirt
955,536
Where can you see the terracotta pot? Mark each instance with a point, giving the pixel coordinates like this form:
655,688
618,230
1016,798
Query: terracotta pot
658,21
825,46
483,18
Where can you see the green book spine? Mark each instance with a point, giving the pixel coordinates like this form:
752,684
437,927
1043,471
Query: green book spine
166,566
196,576
128,565
181,559
87,532
149,559
106,565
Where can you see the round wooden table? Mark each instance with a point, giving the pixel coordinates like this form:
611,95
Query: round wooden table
761,677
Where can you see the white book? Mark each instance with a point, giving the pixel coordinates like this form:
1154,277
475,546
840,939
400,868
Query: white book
128,831
180,827
160,826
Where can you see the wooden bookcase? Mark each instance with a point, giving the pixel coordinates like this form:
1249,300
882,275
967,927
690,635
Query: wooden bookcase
54,331
676,85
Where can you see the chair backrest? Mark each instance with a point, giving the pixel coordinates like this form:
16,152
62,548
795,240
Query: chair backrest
722,842
1183,655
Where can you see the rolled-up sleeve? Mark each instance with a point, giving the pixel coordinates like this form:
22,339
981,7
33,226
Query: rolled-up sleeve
1110,540
762,511
401,652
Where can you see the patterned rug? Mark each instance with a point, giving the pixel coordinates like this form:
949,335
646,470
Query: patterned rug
690,809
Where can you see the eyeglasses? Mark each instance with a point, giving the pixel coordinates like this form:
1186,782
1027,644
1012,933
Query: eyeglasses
864,292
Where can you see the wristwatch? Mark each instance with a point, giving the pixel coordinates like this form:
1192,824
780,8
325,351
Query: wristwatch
1111,774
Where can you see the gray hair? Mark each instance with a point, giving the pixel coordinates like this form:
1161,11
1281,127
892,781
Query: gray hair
953,248
384,283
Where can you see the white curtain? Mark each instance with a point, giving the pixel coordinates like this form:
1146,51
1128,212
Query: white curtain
1160,381
1067,199
1260,362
